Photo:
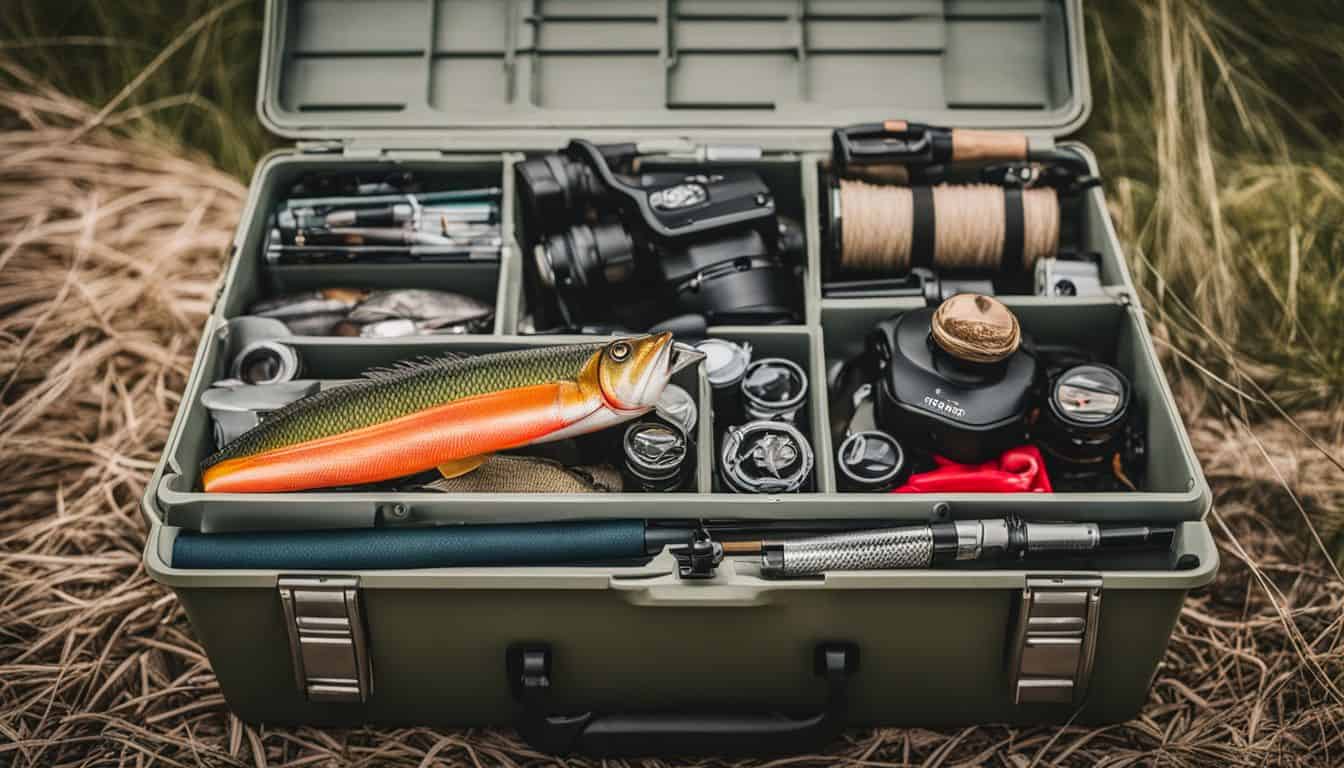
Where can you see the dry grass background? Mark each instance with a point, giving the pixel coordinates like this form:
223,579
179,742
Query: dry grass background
111,237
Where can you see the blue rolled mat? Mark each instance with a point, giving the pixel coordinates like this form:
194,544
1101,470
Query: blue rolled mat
372,549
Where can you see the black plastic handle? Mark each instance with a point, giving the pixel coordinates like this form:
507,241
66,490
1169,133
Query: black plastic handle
629,735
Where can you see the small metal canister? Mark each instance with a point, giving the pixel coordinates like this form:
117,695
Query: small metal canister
725,364
870,462
774,388
765,457
655,456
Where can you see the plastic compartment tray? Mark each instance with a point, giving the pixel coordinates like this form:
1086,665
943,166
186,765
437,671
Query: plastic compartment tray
1174,489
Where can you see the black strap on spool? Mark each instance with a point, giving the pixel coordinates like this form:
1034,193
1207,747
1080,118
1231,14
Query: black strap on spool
1014,230
923,223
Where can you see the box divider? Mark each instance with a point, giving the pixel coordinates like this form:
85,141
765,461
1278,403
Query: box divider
807,165
819,397
508,298
705,451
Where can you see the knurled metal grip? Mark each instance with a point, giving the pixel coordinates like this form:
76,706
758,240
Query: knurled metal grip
1055,640
910,547
327,641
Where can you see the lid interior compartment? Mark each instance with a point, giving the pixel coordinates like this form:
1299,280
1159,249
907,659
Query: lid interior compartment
339,67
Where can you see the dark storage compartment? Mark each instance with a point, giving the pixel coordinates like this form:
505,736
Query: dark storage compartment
1079,262
260,276
1107,331
592,260
768,344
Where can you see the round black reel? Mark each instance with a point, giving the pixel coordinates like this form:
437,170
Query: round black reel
1086,412
871,461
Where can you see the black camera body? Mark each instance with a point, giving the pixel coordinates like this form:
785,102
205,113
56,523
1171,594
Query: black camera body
964,411
700,242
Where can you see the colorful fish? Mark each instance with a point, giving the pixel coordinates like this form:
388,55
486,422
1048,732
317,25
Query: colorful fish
449,413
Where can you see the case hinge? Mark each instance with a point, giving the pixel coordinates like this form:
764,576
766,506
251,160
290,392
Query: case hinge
327,638
1055,639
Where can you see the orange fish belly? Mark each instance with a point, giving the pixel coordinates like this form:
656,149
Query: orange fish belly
404,446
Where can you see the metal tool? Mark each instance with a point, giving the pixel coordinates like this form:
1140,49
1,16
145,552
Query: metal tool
281,254
922,546
423,198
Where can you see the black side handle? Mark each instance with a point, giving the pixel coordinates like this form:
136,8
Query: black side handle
631,735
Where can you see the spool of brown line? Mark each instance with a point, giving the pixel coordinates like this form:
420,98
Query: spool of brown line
889,229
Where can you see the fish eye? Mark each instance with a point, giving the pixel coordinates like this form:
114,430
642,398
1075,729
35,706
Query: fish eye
619,351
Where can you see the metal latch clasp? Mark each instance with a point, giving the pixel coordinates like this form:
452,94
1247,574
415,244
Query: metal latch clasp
1055,639
327,639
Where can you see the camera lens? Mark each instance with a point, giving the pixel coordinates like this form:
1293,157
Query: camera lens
1085,414
587,257
554,189
733,278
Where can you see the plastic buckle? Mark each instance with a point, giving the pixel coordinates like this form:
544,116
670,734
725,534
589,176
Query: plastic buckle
699,558
1055,639
327,640
1020,175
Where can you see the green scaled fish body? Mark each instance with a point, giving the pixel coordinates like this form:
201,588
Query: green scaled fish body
419,415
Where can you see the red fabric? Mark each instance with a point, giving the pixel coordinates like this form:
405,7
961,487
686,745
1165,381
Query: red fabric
1018,470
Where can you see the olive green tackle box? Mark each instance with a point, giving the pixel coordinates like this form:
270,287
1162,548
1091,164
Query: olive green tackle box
622,658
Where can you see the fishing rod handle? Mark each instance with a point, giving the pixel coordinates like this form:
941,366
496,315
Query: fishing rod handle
903,142
907,547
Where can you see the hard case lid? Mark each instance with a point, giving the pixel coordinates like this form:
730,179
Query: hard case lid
521,74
